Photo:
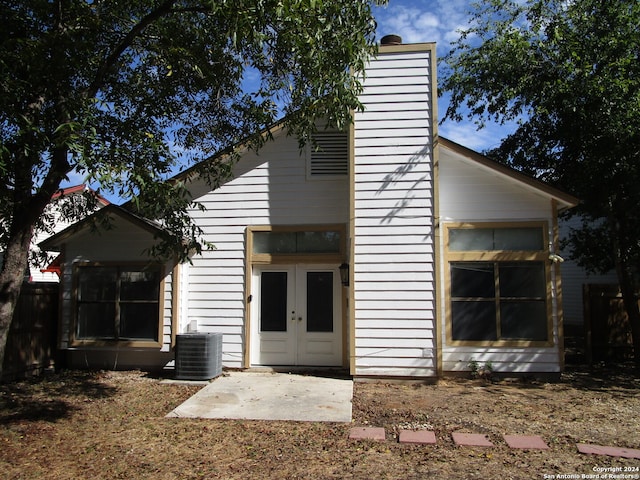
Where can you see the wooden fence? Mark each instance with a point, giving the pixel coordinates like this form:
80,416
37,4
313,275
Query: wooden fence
607,328
32,341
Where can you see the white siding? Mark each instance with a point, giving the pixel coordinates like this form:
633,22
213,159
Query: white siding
268,188
393,215
473,192
470,191
511,360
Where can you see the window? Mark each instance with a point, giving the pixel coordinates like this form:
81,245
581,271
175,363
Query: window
118,303
498,285
299,242
498,300
484,238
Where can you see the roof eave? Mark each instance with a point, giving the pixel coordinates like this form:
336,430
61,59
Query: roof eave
54,243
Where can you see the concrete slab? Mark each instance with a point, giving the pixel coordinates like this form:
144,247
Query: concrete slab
368,433
420,437
526,442
271,396
471,439
610,451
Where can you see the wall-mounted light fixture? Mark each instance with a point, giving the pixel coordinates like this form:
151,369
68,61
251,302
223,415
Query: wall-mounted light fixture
344,274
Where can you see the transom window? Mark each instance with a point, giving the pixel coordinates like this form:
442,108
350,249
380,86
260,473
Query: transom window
297,242
498,284
118,303
510,238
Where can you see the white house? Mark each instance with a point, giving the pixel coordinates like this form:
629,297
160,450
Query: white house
448,257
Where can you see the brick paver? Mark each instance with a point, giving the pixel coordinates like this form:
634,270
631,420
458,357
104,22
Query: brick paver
367,433
523,442
471,439
420,437
610,451
526,442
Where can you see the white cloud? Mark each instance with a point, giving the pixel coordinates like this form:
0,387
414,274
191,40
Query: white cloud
423,21
439,21
467,134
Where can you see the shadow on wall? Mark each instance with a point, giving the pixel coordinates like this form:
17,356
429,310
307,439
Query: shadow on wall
402,206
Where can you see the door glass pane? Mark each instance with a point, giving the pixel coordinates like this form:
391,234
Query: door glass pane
475,280
319,301
273,302
523,320
473,320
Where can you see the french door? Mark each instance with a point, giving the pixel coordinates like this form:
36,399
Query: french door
296,316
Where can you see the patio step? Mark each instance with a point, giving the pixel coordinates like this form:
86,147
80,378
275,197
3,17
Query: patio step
516,442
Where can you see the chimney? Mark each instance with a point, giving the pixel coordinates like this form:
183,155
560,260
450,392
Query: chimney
391,40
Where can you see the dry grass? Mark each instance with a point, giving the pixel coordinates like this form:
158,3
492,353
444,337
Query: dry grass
104,425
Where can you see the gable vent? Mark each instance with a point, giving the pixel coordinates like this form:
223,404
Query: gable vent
329,154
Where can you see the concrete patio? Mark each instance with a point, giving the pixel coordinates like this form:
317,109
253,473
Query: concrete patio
271,396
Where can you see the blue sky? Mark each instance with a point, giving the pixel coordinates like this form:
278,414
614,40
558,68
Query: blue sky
438,21
418,21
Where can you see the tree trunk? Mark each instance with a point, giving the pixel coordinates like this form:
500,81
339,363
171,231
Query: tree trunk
26,208
630,303
627,285
12,274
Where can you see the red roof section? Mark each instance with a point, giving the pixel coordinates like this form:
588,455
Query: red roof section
76,189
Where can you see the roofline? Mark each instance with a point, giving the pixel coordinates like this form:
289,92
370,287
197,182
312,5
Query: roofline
78,189
51,243
277,126
240,146
69,190
564,197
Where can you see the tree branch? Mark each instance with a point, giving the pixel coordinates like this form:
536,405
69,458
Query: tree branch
60,167
110,60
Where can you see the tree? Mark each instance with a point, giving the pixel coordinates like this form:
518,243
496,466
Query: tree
569,73
121,92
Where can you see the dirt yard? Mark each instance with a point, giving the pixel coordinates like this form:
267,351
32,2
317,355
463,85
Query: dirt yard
105,425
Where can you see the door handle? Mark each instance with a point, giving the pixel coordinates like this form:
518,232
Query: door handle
299,319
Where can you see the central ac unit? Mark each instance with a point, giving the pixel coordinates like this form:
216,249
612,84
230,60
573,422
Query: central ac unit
198,356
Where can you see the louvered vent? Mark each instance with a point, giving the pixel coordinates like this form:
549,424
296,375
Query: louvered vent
329,154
